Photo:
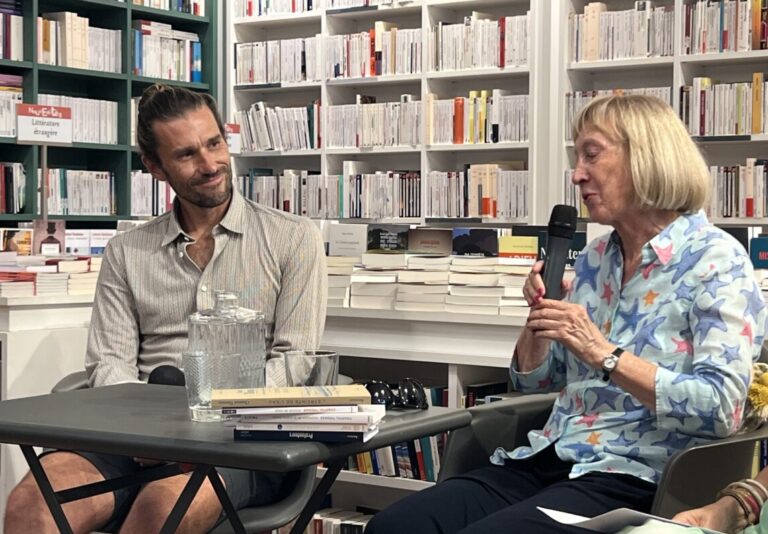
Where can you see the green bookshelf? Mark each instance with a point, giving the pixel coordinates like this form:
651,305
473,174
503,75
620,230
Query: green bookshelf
120,158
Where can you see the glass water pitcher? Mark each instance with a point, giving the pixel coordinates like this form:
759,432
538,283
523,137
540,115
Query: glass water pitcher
226,349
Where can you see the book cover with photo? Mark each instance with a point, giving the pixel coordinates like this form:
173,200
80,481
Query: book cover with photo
483,242
388,237
48,237
17,240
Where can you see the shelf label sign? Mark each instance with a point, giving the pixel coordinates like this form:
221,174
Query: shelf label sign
49,125
233,137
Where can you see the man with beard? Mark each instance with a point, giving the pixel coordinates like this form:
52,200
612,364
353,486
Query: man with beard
152,278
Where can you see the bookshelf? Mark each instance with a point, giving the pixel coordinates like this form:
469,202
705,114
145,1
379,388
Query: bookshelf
674,71
530,79
39,78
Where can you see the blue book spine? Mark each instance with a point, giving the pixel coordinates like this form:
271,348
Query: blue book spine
197,62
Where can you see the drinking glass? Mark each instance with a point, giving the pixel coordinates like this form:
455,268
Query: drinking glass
311,367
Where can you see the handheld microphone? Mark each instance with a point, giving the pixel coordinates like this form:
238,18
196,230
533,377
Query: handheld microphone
562,225
167,375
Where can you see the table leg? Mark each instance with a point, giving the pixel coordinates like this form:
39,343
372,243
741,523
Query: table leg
321,490
226,503
46,489
185,499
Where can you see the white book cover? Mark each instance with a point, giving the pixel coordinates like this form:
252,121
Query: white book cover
616,520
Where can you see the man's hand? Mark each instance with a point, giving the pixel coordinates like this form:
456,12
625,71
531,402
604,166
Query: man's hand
724,515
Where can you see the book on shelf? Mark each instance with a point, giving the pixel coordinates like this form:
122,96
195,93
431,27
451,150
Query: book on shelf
298,435
434,241
290,396
374,290
347,239
475,242
388,238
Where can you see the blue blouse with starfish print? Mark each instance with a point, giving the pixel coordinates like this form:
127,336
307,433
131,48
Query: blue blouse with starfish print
694,309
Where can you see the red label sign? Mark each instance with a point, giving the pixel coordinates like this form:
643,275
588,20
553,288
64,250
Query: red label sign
43,112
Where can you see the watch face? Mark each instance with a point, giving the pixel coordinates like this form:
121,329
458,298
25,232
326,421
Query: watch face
609,364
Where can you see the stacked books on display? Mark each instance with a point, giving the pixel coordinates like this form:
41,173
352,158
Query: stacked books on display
335,414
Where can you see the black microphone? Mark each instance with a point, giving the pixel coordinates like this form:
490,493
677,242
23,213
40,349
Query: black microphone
562,225
167,375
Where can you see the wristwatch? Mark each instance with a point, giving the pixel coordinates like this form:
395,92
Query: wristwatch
610,362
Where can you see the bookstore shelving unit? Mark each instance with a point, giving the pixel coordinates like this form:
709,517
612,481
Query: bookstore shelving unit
673,71
120,87
530,79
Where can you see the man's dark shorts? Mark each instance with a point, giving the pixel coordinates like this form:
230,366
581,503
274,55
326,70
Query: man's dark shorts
245,488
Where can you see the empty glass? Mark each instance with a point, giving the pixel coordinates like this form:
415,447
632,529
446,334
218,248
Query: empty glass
204,372
311,367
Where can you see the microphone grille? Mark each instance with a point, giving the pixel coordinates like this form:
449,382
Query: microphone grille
562,221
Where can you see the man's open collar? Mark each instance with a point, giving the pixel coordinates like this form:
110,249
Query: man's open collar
232,221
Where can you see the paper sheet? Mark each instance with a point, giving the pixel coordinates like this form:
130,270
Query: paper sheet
610,522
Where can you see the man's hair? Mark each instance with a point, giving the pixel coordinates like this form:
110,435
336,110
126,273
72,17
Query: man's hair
161,102
668,171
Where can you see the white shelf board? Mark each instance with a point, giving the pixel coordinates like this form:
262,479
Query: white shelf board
619,64
728,58
434,317
400,483
467,74
276,87
373,150
372,12
278,20
471,4
478,147
382,353
374,80
760,137
739,221
278,153
46,300
381,220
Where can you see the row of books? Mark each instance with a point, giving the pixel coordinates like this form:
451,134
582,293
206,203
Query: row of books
711,108
353,194
287,60
77,192
334,521
264,127
11,93
93,121
149,197
494,190
12,36
67,39
724,26
739,190
160,51
479,41
13,183
643,31
575,100
486,116
193,7
261,8
418,459
371,124
383,50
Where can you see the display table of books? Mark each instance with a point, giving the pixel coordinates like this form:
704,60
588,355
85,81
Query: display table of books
152,421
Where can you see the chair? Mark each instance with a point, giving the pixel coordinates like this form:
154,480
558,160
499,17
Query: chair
691,479
256,519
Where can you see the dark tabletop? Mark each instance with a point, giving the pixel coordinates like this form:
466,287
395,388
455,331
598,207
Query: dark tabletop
152,421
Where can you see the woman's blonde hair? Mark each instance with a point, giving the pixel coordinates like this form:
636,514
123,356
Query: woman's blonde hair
668,171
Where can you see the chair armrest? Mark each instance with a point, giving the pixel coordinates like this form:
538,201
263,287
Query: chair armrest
693,476
497,424
71,382
266,518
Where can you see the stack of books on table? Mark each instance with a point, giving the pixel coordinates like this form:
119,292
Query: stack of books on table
313,413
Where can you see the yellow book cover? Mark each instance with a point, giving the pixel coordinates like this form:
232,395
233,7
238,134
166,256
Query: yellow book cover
291,396
519,246
471,116
482,114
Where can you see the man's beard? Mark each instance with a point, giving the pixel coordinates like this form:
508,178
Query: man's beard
212,199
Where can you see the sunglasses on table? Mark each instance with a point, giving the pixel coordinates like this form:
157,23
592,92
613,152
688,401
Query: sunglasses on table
409,395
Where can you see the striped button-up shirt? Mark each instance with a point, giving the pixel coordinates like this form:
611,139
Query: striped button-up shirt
148,286
694,310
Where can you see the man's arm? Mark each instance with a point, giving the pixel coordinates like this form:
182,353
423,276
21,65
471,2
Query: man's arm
300,308
113,337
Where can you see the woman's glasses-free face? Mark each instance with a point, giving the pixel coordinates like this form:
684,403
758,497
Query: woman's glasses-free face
409,394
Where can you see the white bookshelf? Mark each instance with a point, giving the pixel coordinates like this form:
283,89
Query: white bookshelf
530,79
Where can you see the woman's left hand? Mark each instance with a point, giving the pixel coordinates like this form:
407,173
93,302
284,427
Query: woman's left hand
570,325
